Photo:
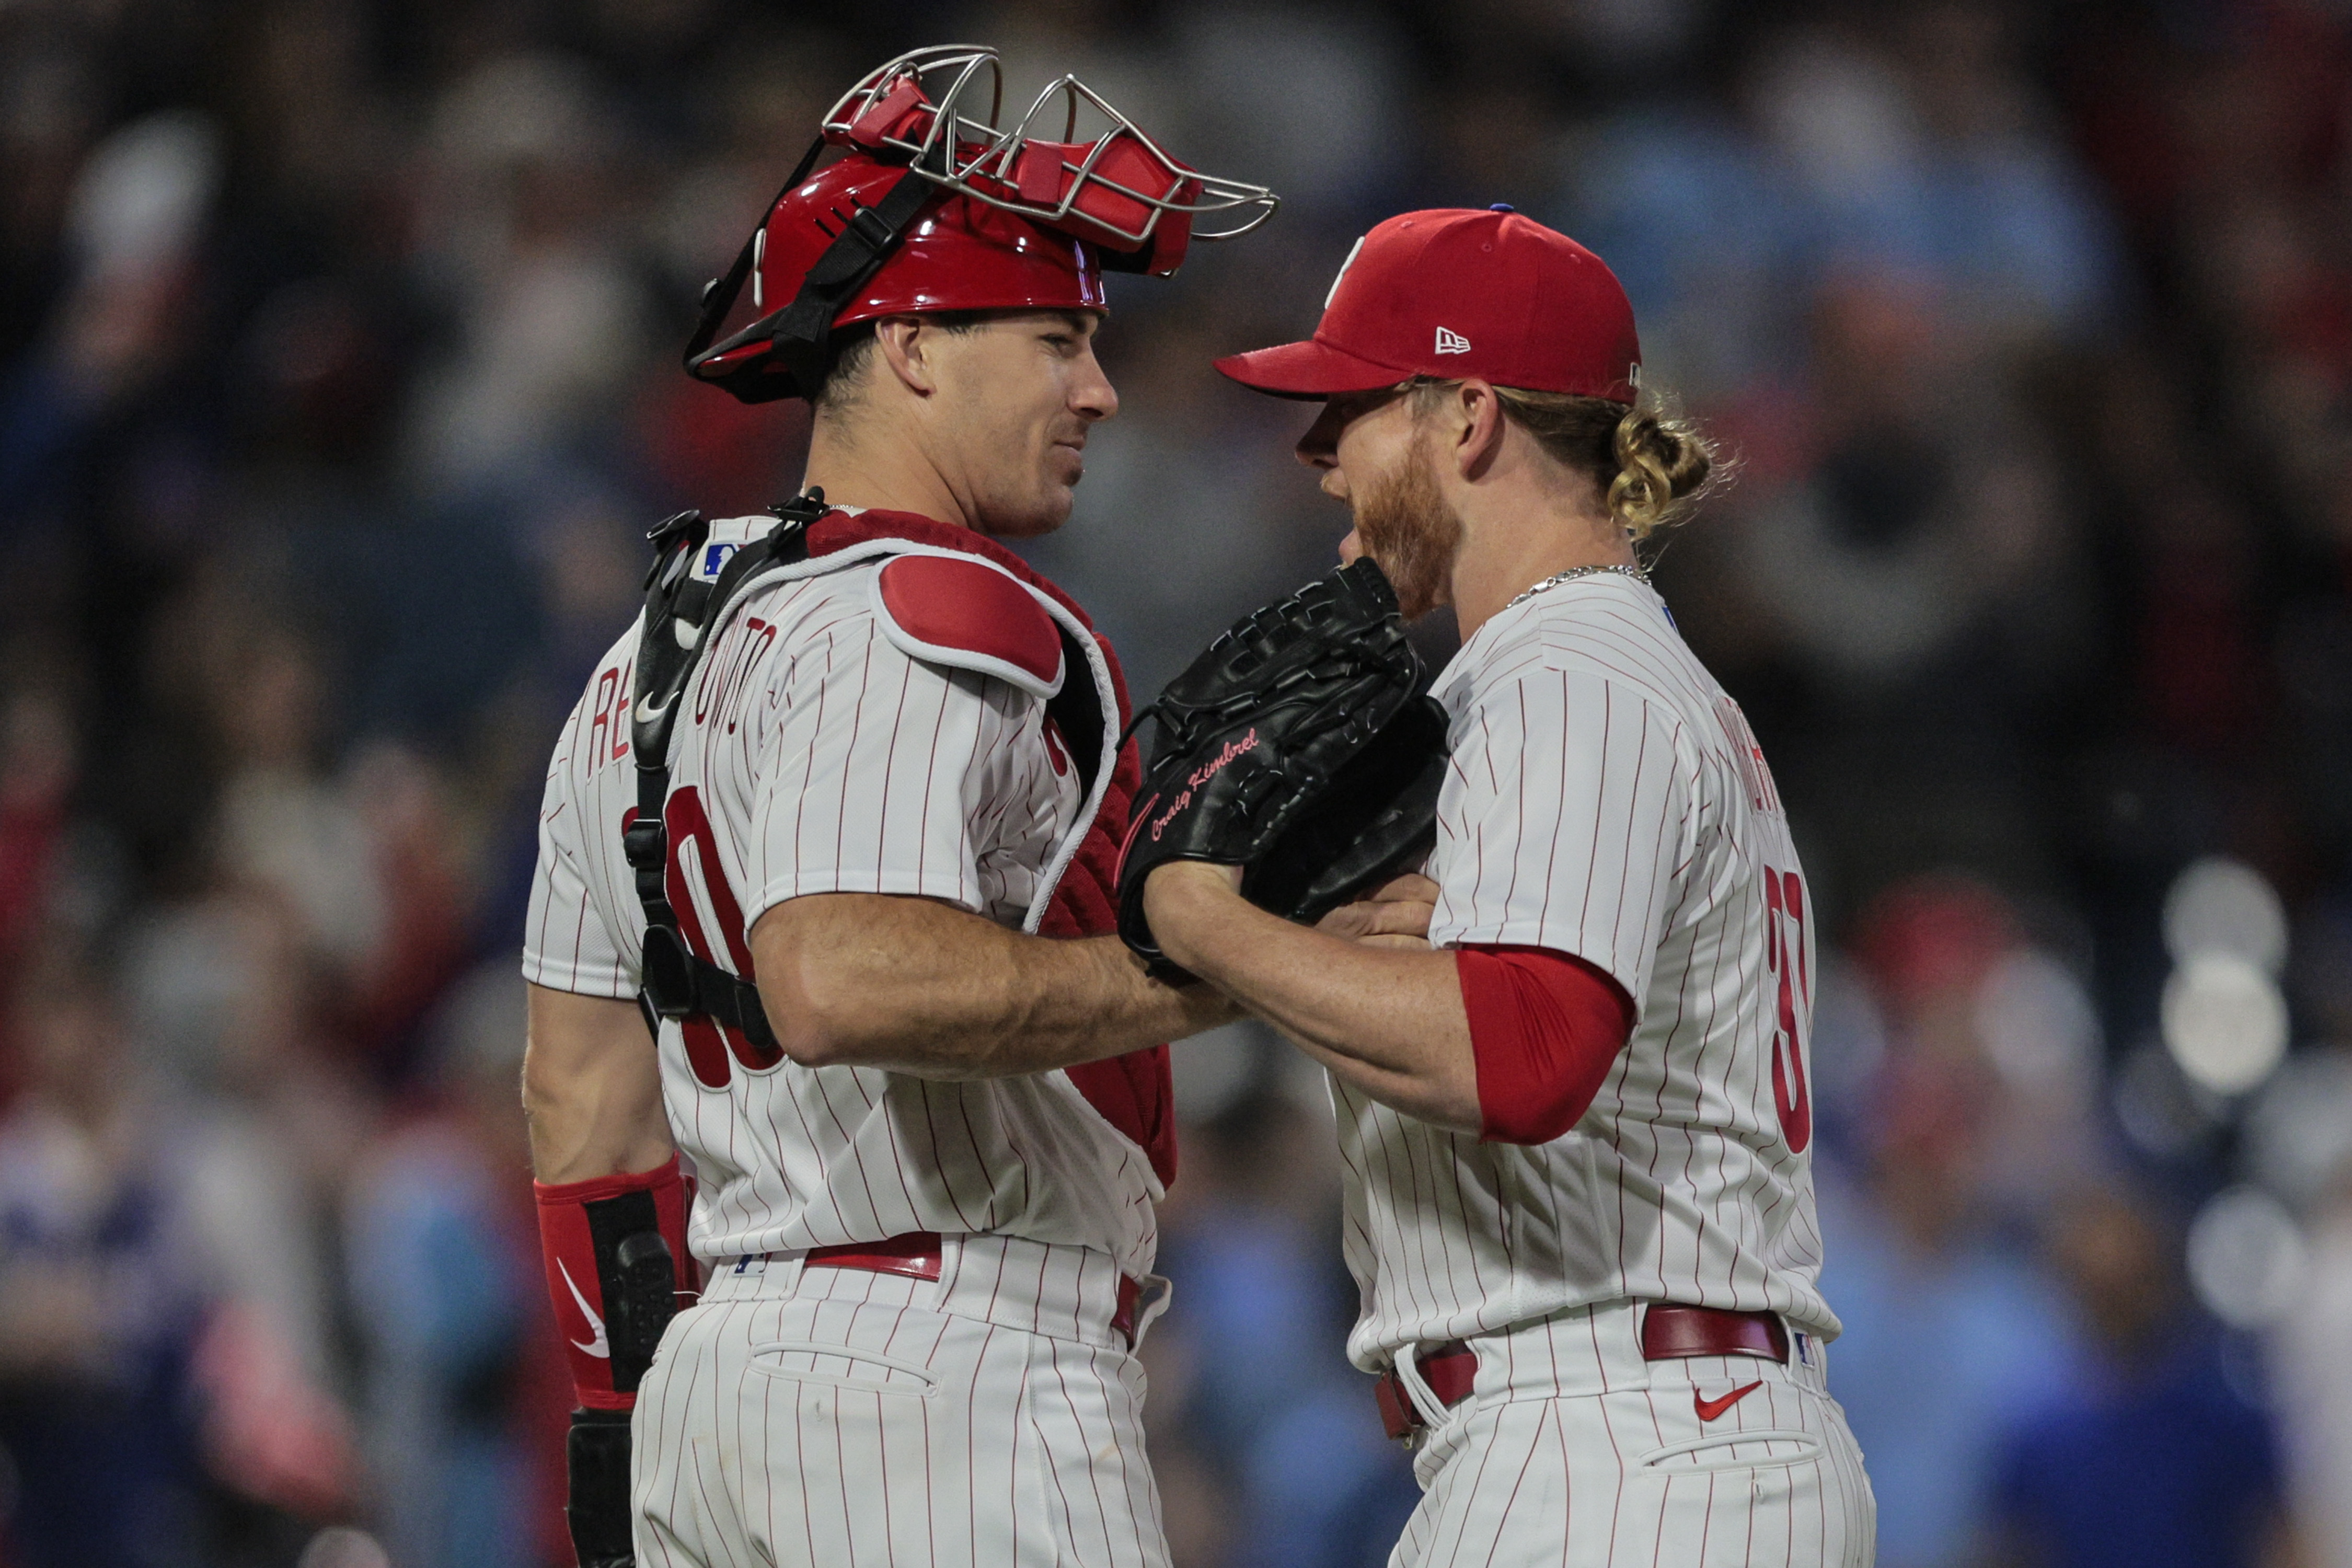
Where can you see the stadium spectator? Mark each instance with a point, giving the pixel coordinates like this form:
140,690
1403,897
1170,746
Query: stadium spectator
2154,1459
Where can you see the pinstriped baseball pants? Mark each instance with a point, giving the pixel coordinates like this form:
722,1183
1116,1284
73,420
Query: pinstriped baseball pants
835,1419
1571,1450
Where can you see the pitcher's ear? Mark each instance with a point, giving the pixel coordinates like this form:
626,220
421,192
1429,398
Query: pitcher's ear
1478,439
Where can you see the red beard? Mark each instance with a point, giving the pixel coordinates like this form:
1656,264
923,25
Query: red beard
1405,526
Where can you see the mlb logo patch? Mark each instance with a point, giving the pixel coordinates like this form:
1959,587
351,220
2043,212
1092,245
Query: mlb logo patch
714,561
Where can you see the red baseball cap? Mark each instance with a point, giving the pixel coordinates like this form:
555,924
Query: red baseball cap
1457,292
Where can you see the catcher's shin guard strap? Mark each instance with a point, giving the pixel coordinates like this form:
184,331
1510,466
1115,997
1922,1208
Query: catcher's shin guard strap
617,1269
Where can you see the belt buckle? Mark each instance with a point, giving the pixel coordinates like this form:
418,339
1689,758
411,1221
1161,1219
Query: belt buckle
1398,1417
1401,1414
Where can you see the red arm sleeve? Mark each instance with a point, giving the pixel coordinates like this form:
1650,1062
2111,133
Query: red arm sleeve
1545,1027
581,1225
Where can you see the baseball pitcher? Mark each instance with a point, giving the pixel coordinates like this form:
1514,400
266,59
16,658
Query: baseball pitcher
1575,1122
838,819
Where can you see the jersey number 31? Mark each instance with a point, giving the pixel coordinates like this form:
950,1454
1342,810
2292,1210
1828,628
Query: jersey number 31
1784,954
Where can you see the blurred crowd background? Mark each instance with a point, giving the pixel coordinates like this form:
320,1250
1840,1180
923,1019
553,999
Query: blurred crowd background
339,378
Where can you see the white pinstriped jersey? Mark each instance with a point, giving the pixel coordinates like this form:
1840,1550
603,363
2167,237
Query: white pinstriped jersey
1607,799
817,757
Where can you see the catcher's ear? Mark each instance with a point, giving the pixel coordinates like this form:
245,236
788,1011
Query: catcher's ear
905,343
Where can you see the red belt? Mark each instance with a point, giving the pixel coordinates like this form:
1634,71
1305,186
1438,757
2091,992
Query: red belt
1670,1331
917,1255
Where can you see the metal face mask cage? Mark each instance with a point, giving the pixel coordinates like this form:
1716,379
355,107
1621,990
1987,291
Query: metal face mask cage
1113,188
1113,192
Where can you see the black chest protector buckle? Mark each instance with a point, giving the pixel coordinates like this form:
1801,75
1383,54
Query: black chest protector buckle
681,609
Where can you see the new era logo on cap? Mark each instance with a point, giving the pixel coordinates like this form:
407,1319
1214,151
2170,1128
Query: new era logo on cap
1450,341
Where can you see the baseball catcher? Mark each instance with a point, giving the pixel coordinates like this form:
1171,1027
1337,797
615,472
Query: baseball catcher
838,820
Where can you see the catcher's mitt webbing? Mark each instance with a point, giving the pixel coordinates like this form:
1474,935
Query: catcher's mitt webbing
1298,746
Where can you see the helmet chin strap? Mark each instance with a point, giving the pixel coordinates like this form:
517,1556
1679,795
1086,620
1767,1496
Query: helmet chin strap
803,327
799,331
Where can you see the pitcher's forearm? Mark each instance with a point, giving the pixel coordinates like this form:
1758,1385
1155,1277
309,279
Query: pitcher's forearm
1390,1022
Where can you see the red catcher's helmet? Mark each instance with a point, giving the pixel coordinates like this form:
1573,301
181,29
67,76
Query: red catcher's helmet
934,208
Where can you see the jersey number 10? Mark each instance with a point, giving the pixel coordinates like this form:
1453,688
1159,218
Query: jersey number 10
707,1043
1784,955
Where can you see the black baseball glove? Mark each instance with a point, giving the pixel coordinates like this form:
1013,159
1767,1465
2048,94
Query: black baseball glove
1299,746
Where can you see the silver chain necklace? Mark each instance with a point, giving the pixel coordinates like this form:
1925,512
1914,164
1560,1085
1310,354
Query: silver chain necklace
1636,573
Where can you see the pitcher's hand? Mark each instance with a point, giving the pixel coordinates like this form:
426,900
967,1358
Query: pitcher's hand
1394,914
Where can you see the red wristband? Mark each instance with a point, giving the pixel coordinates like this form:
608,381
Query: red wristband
581,1227
1545,1027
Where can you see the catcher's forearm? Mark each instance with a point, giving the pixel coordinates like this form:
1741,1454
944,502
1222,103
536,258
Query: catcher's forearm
590,1087
917,987
1389,1021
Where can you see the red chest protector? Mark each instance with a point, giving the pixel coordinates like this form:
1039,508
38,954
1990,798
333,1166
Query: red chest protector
1134,1092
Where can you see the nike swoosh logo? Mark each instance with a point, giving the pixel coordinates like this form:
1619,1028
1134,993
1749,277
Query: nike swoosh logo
1708,1409
599,1346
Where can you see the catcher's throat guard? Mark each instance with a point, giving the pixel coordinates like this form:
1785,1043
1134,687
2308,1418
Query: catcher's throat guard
936,207
1301,746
